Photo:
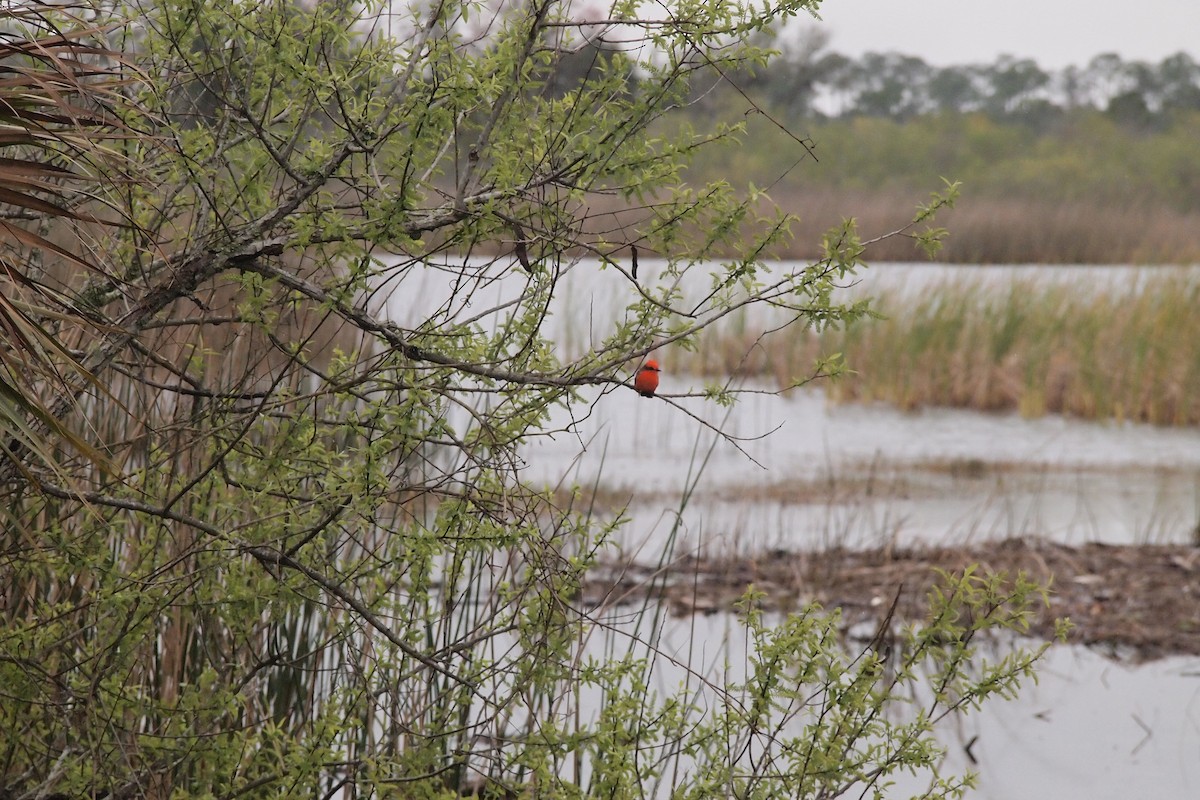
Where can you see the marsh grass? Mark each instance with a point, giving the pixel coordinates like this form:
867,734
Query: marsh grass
983,229
1087,190
1119,351
1123,353
998,230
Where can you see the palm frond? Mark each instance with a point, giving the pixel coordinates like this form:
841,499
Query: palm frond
59,90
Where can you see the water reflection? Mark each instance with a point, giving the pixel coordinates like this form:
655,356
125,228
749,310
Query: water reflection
863,476
1091,728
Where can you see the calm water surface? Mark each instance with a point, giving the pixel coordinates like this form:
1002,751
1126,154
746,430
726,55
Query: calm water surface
1092,728
867,475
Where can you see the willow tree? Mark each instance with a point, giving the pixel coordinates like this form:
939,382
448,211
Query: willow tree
267,530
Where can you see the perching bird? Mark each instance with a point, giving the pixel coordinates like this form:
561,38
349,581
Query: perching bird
647,379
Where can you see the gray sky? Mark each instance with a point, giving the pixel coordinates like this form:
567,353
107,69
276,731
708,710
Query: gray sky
1055,33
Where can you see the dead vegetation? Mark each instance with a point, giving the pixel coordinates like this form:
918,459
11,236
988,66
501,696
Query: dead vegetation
1138,601
983,229
1077,347
999,230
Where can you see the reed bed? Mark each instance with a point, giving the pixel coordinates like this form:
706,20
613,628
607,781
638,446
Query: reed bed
1121,351
983,229
1002,230
1123,599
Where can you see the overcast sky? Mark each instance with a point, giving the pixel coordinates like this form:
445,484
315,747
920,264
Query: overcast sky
1054,33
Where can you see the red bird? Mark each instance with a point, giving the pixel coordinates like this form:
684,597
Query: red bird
647,379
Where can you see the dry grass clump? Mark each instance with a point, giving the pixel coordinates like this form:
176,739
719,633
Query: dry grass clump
983,229
1140,600
1021,231
1127,353
999,230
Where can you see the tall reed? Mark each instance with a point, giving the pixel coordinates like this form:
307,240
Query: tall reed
984,229
1122,351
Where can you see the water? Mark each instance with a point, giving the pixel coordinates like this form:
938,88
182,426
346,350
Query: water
1090,729
713,481
1093,728
850,475
861,476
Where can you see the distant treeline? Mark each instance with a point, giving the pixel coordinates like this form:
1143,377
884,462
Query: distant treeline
1093,164
1085,190
807,82
1088,164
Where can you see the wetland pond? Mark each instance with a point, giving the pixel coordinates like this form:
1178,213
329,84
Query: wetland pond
792,477
1100,722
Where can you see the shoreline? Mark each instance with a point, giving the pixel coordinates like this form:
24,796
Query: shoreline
1141,602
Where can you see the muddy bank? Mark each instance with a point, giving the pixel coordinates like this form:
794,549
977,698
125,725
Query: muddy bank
1139,601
